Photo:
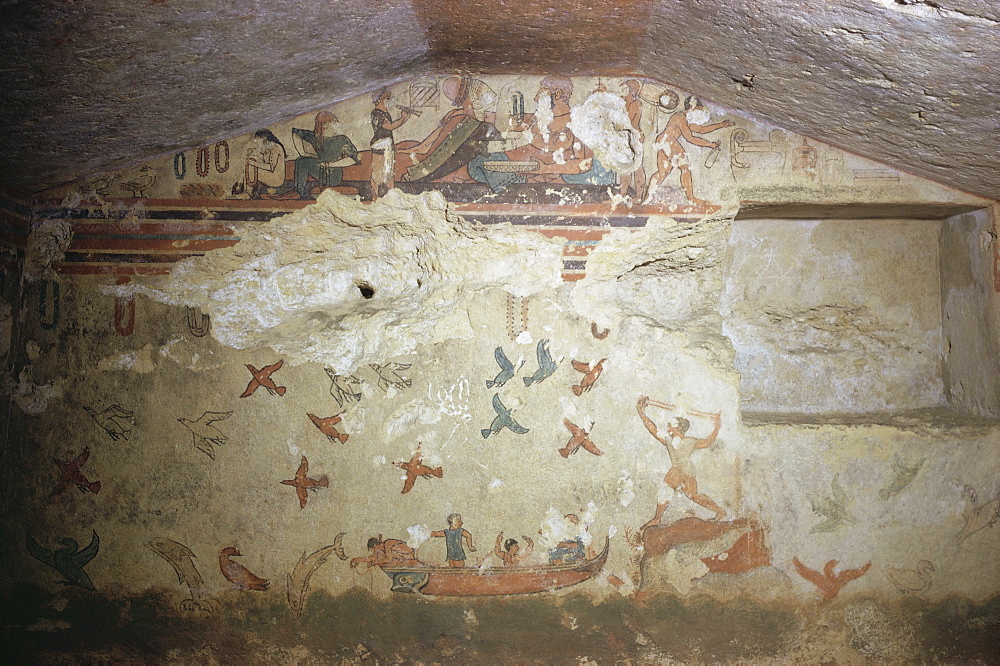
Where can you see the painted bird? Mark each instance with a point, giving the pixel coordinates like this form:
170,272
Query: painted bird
325,426
388,375
262,377
140,183
580,437
546,366
903,474
237,574
115,420
205,434
344,389
977,516
912,581
833,508
70,473
507,369
182,559
829,582
590,375
502,420
416,468
303,484
69,561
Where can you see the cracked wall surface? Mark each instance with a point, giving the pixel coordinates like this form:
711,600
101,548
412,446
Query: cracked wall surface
736,404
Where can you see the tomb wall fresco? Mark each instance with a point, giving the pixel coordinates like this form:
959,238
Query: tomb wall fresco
592,349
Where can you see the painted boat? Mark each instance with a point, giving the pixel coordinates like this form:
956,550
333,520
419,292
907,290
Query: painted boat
493,581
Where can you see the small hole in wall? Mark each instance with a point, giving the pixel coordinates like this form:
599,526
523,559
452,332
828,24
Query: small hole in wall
367,291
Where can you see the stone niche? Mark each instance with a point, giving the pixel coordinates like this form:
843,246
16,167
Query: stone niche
862,312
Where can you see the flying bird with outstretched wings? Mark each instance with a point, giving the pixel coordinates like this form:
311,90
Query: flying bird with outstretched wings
829,582
303,484
507,369
388,375
578,438
326,426
115,420
414,468
204,434
262,377
504,419
546,366
69,473
590,375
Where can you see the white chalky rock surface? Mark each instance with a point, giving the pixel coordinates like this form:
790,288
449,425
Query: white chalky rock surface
295,284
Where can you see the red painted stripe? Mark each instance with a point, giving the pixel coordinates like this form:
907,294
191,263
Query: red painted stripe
144,245
112,269
577,250
573,234
88,257
140,227
593,210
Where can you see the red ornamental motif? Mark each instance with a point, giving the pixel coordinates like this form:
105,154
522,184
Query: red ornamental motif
203,163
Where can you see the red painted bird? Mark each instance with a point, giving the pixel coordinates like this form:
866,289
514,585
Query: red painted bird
237,574
70,473
416,468
325,426
303,484
262,377
590,375
829,582
580,437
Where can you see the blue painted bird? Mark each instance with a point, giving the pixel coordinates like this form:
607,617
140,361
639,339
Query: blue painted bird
546,366
503,420
507,369
68,561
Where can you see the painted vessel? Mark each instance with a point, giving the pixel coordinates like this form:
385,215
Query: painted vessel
493,581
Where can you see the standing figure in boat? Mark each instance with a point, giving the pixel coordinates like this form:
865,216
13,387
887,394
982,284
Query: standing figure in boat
454,536
680,448
388,552
510,552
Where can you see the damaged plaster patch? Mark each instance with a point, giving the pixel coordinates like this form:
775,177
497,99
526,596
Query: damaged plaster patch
342,283
140,361
603,125
32,398
655,273
47,245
